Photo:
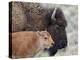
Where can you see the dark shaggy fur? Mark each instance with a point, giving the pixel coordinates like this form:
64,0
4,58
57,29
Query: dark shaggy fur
33,17
57,30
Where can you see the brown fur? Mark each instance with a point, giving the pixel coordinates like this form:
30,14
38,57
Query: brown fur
29,16
28,43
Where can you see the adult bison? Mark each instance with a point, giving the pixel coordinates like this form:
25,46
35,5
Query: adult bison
26,16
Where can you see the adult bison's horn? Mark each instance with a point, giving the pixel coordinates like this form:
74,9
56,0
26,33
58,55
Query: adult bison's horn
53,14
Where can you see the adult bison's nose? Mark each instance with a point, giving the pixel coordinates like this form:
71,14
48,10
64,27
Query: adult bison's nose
62,44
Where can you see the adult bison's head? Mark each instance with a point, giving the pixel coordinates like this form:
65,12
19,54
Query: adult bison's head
57,30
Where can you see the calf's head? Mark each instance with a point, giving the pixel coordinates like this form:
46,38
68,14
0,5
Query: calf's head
45,39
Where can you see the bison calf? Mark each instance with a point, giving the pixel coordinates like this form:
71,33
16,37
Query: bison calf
28,43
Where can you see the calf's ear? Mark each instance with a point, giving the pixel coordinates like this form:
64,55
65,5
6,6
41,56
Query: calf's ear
38,33
41,33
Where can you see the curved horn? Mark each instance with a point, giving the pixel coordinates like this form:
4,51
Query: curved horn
53,14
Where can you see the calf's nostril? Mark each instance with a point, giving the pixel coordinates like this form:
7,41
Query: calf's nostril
52,43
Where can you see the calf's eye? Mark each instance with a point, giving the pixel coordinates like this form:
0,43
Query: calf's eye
45,38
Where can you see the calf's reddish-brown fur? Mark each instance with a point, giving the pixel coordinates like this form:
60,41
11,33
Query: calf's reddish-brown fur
28,43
